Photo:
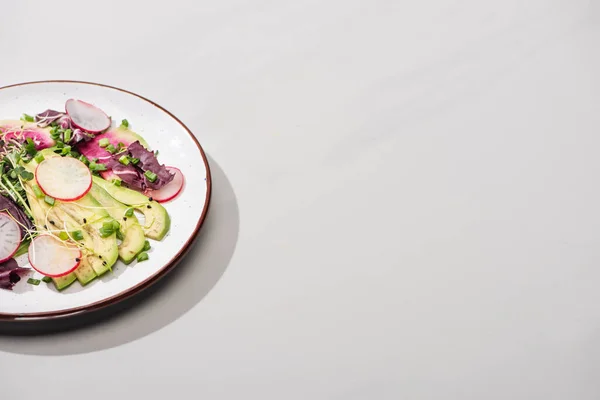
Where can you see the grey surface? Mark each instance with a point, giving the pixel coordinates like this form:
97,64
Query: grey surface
417,186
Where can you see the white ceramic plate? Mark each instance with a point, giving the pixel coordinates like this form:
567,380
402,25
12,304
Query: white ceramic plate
177,147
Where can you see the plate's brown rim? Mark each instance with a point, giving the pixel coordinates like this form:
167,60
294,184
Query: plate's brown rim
154,278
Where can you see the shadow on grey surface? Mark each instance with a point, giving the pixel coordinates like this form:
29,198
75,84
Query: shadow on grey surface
158,306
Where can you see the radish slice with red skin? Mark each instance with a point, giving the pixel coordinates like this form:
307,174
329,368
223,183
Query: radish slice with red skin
51,257
10,237
63,178
170,190
87,116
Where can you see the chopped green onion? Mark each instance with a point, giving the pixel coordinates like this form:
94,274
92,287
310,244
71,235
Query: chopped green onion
37,191
63,236
124,160
134,161
116,182
129,212
146,246
67,137
119,235
150,175
142,257
66,150
103,142
111,149
77,235
32,281
84,159
97,167
49,200
46,279
106,232
116,225
108,225
39,157
27,118
125,123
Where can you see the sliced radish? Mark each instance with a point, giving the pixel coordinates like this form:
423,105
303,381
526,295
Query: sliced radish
64,178
170,190
10,237
51,257
86,116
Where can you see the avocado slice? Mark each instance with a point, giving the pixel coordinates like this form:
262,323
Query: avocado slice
101,253
64,281
157,221
133,234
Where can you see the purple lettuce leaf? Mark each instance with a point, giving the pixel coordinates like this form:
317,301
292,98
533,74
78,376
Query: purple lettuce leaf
8,206
11,273
129,174
80,136
133,175
47,117
148,162
65,122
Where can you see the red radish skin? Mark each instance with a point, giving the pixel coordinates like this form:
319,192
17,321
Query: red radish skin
170,190
87,116
63,178
51,257
10,237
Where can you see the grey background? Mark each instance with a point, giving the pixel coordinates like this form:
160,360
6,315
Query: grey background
406,199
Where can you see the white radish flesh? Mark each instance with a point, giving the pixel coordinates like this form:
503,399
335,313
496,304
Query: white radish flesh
170,190
64,178
10,237
86,116
52,257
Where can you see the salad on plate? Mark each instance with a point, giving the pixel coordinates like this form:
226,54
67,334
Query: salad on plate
77,194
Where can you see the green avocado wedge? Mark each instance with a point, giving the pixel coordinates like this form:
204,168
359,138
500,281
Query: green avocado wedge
64,281
133,234
157,221
100,252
